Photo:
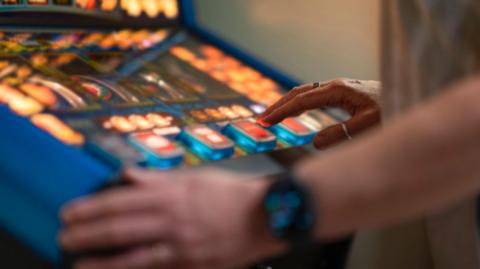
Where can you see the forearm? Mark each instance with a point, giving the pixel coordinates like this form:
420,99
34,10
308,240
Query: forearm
420,163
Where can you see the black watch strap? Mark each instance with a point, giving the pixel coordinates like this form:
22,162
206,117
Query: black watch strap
290,210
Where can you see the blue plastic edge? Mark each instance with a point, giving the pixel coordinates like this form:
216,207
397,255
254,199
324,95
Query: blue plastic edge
29,182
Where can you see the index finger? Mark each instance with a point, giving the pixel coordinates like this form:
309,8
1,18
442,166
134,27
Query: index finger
302,102
112,202
291,94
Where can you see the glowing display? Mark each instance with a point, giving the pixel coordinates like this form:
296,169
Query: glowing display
221,113
154,97
231,72
18,102
138,122
58,129
152,8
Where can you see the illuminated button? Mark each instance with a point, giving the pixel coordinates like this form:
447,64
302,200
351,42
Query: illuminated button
199,115
58,128
207,143
251,136
228,112
158,150
141,122
215,114
242,111
18,102
294,132
40,93
160,120
119,123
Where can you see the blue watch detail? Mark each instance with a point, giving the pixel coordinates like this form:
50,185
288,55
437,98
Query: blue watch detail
290,211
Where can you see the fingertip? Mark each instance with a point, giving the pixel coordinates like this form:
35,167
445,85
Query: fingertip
270,120
263,123
64,240
70,212
132,171
134,175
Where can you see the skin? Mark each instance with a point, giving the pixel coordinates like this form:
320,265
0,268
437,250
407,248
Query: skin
420,163
364,110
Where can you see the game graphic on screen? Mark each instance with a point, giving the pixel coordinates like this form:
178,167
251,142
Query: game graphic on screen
113,8
155,98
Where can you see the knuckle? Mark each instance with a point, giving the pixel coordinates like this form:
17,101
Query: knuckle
294,91
337,82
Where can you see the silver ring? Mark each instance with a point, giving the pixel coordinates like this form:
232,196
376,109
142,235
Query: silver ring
162,253
316,85
345,130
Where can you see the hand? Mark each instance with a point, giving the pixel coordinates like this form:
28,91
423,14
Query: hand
359,98
180,220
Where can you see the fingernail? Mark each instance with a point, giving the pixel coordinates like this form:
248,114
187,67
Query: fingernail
66,216
69,212
263,123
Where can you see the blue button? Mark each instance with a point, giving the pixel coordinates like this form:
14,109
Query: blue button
294,132
159,151
207,143
250,136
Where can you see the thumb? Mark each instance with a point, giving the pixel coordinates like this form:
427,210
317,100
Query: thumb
329,137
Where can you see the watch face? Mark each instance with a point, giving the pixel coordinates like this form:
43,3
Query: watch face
290,210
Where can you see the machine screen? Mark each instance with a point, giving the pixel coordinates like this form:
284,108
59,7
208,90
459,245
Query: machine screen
131,89
110,8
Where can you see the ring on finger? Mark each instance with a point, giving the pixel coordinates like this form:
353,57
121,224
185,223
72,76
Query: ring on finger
345,130
316,85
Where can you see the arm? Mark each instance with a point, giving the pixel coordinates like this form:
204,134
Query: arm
418,164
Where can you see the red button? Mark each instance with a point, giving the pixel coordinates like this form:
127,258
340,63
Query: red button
253,130
209,137
157,144
295,126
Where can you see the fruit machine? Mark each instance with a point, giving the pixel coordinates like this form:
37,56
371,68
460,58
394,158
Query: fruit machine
88,87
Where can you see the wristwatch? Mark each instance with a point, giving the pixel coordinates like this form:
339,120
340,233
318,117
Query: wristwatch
290,211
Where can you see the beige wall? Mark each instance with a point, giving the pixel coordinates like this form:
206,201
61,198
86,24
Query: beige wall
310,39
